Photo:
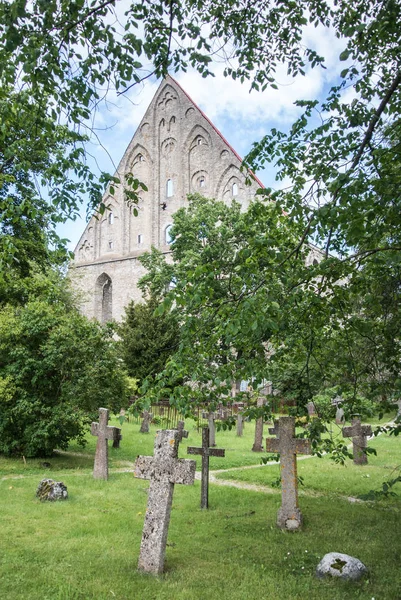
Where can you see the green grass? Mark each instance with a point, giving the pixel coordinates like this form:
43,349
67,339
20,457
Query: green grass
88,546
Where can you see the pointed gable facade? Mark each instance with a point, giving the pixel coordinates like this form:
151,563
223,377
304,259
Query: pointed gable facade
175,151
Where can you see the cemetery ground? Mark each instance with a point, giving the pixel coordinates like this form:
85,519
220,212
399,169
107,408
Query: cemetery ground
87,547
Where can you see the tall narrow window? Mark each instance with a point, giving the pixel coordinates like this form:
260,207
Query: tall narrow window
111,245
111,218
235,189
169,188
202,182
167,234
140,239
104,298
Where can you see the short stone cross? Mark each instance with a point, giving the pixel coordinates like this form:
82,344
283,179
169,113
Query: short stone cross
359,433
205,452
104,433
147,418
211,417
164,469
182,433
258,443
289,516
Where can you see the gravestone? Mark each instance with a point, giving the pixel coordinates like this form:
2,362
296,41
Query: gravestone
239,417
289,516
205,452
164,469
104,433
211,417
258,443
51,491
147,419
117,437
311,409
359,433
182,433
337,401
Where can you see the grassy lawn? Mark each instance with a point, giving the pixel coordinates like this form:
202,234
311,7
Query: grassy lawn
87,547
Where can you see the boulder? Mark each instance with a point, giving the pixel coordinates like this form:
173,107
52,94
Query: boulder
340,565
50,491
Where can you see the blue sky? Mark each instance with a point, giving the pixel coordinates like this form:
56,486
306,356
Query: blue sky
242,117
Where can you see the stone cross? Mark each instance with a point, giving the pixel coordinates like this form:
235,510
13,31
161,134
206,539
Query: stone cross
359,433
117,437
164,469
104,433
289,516
205,452
182,433
211,417
258,443
147,418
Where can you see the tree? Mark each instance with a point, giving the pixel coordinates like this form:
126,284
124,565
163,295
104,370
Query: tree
56,369
147,340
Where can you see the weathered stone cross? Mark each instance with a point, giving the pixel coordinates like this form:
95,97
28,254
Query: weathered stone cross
164,469
289,516
211,417
182,433
359,433
205,452
104,433
147,418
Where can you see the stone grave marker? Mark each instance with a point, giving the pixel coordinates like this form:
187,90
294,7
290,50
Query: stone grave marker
164,469
147,419
258,442
104,433
205,452
117,437
311,409
337,401
359,433
239,417
289,516
182,433
211,417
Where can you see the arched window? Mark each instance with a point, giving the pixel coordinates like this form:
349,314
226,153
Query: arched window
104,298
202,182
234,190
111,218
167,235
169,188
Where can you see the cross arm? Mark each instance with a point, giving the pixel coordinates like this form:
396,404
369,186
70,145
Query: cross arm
95,429
348,431
217,452
303,446
184,471
272,445
193,450
143,467
112,432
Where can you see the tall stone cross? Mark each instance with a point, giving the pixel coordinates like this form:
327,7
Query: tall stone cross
104,433
359,433
289,516
205,452
164,469
211,418
240,422
258,442
182,433
147,418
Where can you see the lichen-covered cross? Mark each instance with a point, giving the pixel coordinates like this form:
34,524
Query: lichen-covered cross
359,433
182,433
288,446
103,433
205,452
164,469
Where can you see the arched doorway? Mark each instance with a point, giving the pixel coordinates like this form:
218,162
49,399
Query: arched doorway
104,298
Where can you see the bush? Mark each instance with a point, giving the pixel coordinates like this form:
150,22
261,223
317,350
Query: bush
56,369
